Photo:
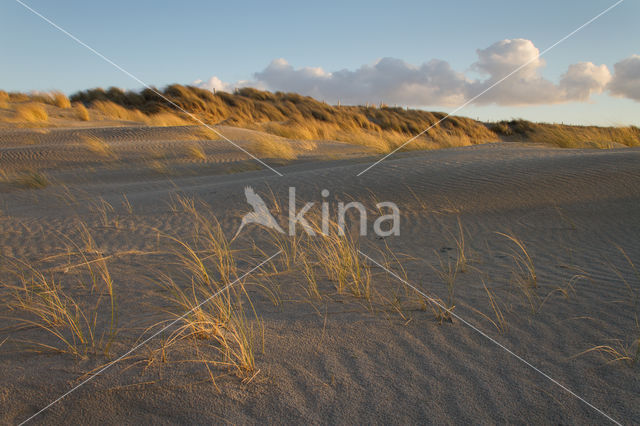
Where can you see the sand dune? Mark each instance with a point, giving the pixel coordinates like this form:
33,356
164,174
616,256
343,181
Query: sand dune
342,359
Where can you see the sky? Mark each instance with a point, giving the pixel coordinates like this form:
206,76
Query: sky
424,54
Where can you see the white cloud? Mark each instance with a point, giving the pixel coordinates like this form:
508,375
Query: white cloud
584,79
525,87
626,78
214,83
435,83
390,80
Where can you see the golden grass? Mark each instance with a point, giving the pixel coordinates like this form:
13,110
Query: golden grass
4,100
195,152
526,275
114,111
165,119
448,272
216,297
43,302
337,255
60,100
264,146
98,147
462,258
342,262
204,133
625,351
81,112
302,118
299,117
31,113
498,320
566,136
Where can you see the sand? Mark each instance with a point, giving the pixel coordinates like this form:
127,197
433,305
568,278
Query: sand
342,359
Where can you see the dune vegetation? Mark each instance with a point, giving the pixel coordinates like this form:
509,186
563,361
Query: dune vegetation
566,136
293,116
300,117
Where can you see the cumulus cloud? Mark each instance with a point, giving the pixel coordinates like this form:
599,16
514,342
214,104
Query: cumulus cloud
214,83
388,79
626,78
526,86
435,82
584,79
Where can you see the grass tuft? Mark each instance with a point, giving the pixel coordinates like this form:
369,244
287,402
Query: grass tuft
75,322
60,100
264,146
98,147
81,111
195,152
32,180
32,113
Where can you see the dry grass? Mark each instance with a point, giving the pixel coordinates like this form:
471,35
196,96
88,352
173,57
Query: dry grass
568,136
264,146
338,255
98,147
73,321
31,112
81,112
496,317
215,299
60,100
524,274
32,180
626,351
4,100
165,119
114,111
102,208
619,351
299,117
202,133
633,293
195,152
303,118
526,271
462,257
448,272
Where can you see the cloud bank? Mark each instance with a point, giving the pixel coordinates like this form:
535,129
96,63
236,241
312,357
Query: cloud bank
436,83
626,78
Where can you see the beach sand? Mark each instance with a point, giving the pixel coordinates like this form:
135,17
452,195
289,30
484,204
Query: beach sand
339,358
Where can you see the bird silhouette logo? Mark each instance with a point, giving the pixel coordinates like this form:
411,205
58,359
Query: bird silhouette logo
260,214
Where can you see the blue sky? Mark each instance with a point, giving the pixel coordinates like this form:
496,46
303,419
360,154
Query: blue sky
166,42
